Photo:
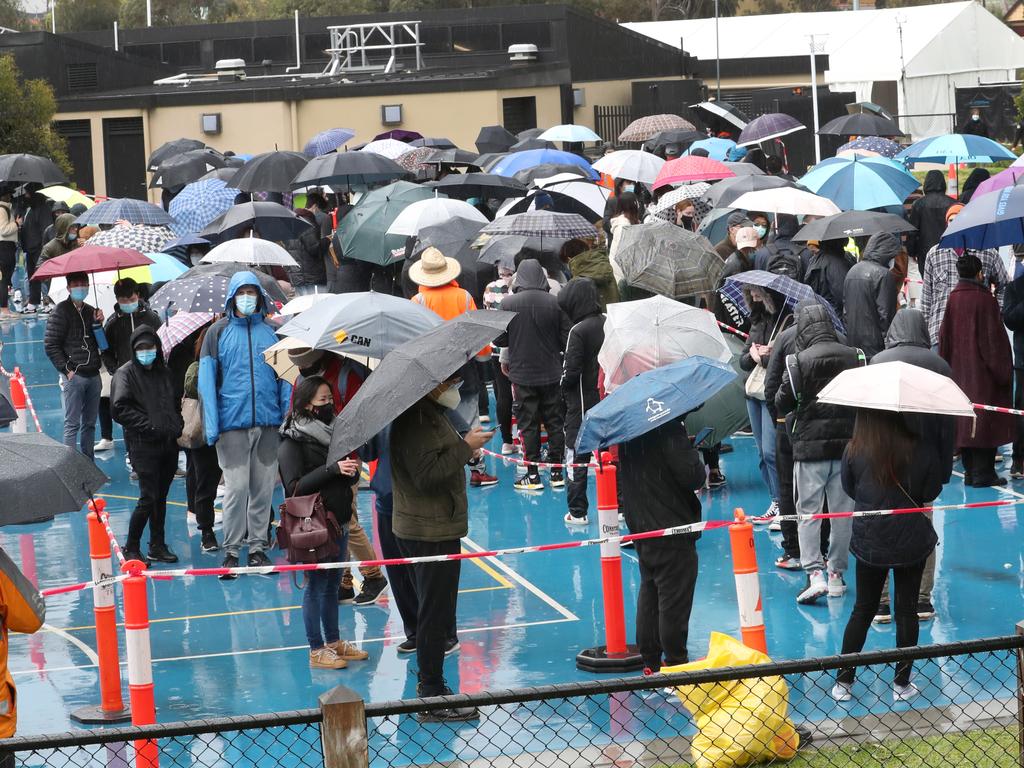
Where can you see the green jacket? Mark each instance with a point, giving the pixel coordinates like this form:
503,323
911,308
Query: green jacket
428,475
595,265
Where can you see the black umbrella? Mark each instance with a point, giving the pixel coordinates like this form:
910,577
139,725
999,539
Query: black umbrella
525,144
409,372
486,160
187,167
868,106
678,139
502,251
351,168
435,143
228,269
225,174
271,221
547,170
486,186
204,288
453,156
24,169
561,203
860,124
723,192
269,172
40,478
723,110
852,224
529,133
170,149
494,138
454,239
7,412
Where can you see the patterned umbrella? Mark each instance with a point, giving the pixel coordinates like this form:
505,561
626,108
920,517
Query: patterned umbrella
667,202
126,209
388,148
770,126
139,237
201,202
179,327
542,224
414,158
645,127
792,291
197,292
668,260
328,141
872,146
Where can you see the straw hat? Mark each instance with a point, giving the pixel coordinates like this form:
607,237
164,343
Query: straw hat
434,269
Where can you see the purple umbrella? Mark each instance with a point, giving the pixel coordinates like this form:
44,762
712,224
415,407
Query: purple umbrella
1011,177
770,126
399,135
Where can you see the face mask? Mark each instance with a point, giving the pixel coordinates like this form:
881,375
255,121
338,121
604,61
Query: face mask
128,309
79,294
761,231
448,399
146,356
975,117
245,304
72,236
324,413
629,188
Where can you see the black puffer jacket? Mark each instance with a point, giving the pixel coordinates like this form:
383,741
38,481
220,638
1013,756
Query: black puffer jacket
820,432
782,256
826,273
580,301
928,214
308,250
304,470
142,399
1013,318
870,294
119,330
69,341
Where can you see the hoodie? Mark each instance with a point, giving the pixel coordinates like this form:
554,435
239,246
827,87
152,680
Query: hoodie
533,343
120,329
782,256
595,265
869,295
826,273
237,387
59,245
142,399
977,176
579,300
928,214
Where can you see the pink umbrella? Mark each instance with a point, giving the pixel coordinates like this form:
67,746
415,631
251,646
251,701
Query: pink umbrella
1008,178
179,327
687,169
90,259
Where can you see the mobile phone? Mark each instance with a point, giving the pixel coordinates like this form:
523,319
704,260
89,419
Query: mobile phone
701,436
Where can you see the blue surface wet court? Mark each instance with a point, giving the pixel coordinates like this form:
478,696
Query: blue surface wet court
228,648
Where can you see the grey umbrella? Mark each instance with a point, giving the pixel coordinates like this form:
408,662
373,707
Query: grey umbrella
494,138
409,372
668,260
503,249
40,478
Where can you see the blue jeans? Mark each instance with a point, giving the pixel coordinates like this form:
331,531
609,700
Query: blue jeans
80,398
763,427
320,601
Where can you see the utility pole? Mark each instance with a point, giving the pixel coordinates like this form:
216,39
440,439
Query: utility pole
53,17
149,13
718,60
815,47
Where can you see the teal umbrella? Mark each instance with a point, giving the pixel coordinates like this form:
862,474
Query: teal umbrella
364,230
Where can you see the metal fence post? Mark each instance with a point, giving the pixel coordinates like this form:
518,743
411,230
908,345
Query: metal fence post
343,731
1020,697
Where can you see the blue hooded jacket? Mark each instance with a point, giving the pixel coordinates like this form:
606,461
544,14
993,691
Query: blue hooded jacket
237,388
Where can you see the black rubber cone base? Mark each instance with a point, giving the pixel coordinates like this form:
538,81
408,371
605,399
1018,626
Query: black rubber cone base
96,716
599,660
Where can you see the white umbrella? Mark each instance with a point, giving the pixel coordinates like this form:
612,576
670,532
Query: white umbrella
646,334
570,133
631,164
797,202
900,387
585,192
302,303
432,212
101,291
389,148
250,250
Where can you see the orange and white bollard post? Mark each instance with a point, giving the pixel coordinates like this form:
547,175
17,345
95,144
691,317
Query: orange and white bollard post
615,655
140,660
748,588
953,181
111,708
20,424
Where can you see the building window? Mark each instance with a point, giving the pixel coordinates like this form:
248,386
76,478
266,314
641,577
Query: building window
519,113
277,49
435,40
233,48
313,47
391,114
474,38
521,32
146,50
182,54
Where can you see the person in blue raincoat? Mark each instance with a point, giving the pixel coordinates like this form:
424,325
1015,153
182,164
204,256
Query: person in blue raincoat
244,403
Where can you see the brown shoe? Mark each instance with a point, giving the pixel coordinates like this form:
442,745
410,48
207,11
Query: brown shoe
343,649
326,658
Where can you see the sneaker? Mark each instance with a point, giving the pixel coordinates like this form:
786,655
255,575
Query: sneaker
816,587
133,475
407,646
770,514
179,472
104,445
221,490
925,610
326,658
135,554
508,449
209,543
904,692
842,691
715,479
371,592
346,595
726,448
557,478
480,479
1016,471
451,646
485,418
230,561
30,309
883,615
775,525
571,519
788,563
259,560
452,714
836,584
528,483
348,651
161,554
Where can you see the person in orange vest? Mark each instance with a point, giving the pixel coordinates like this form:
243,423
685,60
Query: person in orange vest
22,610
436,274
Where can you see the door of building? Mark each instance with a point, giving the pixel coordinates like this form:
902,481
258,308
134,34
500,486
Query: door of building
124,147
519,113
78,135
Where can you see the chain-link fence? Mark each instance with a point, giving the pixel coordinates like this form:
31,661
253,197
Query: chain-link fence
966,712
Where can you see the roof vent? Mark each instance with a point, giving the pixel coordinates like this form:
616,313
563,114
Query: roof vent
229,70
522,52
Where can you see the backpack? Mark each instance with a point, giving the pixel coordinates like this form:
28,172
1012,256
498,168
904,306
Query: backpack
307,533
784,259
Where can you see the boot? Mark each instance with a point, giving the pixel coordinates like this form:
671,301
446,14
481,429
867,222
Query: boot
966,458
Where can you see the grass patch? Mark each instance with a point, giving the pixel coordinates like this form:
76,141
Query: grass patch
992,748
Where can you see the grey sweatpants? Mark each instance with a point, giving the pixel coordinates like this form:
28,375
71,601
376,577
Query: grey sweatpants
248,458
813,482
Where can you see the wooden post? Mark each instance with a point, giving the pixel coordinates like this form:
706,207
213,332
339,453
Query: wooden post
1020,696
343,731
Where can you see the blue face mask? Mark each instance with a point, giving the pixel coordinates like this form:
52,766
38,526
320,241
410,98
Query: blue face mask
79,294
72,236
629,188
245,304
128,308
146,356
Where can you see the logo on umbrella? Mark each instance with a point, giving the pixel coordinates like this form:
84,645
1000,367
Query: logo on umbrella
340,336
656,409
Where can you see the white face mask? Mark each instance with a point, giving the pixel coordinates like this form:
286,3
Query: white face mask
449,399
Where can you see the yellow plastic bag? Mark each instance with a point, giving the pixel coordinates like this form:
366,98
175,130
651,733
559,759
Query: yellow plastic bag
739,722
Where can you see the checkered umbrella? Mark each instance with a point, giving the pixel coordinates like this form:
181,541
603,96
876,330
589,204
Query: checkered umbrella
792,291
139,237
327,141
125,209
668,260
542,224
645,127
179,327
201,202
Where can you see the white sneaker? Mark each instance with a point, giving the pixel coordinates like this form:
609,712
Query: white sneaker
104,445
836,585
570,520
507,449
221,490
904,692
770,514
842,691
485,419
775,525
816,587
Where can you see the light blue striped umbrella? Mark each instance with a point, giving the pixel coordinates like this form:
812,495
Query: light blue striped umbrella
955,148
860,183
126,209
327,141
201,202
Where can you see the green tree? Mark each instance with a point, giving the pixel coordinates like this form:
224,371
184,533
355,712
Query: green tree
11,15
85,15
26,121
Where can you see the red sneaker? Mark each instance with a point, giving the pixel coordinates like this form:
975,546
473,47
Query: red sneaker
479,479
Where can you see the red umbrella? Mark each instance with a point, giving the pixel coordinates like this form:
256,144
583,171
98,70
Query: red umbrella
89,259
689,168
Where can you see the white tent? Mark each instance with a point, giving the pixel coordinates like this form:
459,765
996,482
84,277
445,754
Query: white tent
925,51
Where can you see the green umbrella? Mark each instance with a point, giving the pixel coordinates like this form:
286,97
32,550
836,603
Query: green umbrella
363,230
725,411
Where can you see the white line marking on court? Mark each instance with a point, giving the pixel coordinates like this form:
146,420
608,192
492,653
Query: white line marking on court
89,652
496,563
1000,488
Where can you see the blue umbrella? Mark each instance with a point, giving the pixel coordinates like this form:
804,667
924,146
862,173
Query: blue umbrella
988,221
328,141
860,183
792,291
955,148
531,158
872,145
651,399
184,241
717,149
201,202
125,208
715,225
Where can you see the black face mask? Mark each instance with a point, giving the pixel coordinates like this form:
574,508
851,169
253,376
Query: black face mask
324,413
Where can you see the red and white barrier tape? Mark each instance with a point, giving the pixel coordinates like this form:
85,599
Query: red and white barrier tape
28,402
511,459
997,409
104,519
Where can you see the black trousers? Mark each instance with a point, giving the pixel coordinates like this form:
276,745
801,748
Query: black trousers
1018,404
437,593
106,422
536,405
712,455
202,473
668,577
35,288
502,400
400,577
870,581
979,464
576,494
483,369
8,261
155,465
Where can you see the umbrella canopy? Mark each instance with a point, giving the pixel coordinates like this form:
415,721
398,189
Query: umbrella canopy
792,291
501,250
409,372
715,225
630,164
687,169
852,224
651,399
668,260
486,186
770,126
249,250
389,148
363,234
327,141
726,410
223,174
988,221
860,183
125,209
138,237
200,202
646,334
725,111
170,149
569,133
722,193
90,258
955,148
677,140
797,202
437,143
179,170
452,156
7,412
414,158
179,327
431,212
743,169
529,133
204,288
23,169
900,387
528,144
520,161
867,106
269,172
300,304
455,239
366,324
1005,178
398,134
40,478
542,224
164,267
860,124
183,242
271,221
644,128
585,195
695,192
62,194
550,170
357,169
101,291
494,138
870,146
717,149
